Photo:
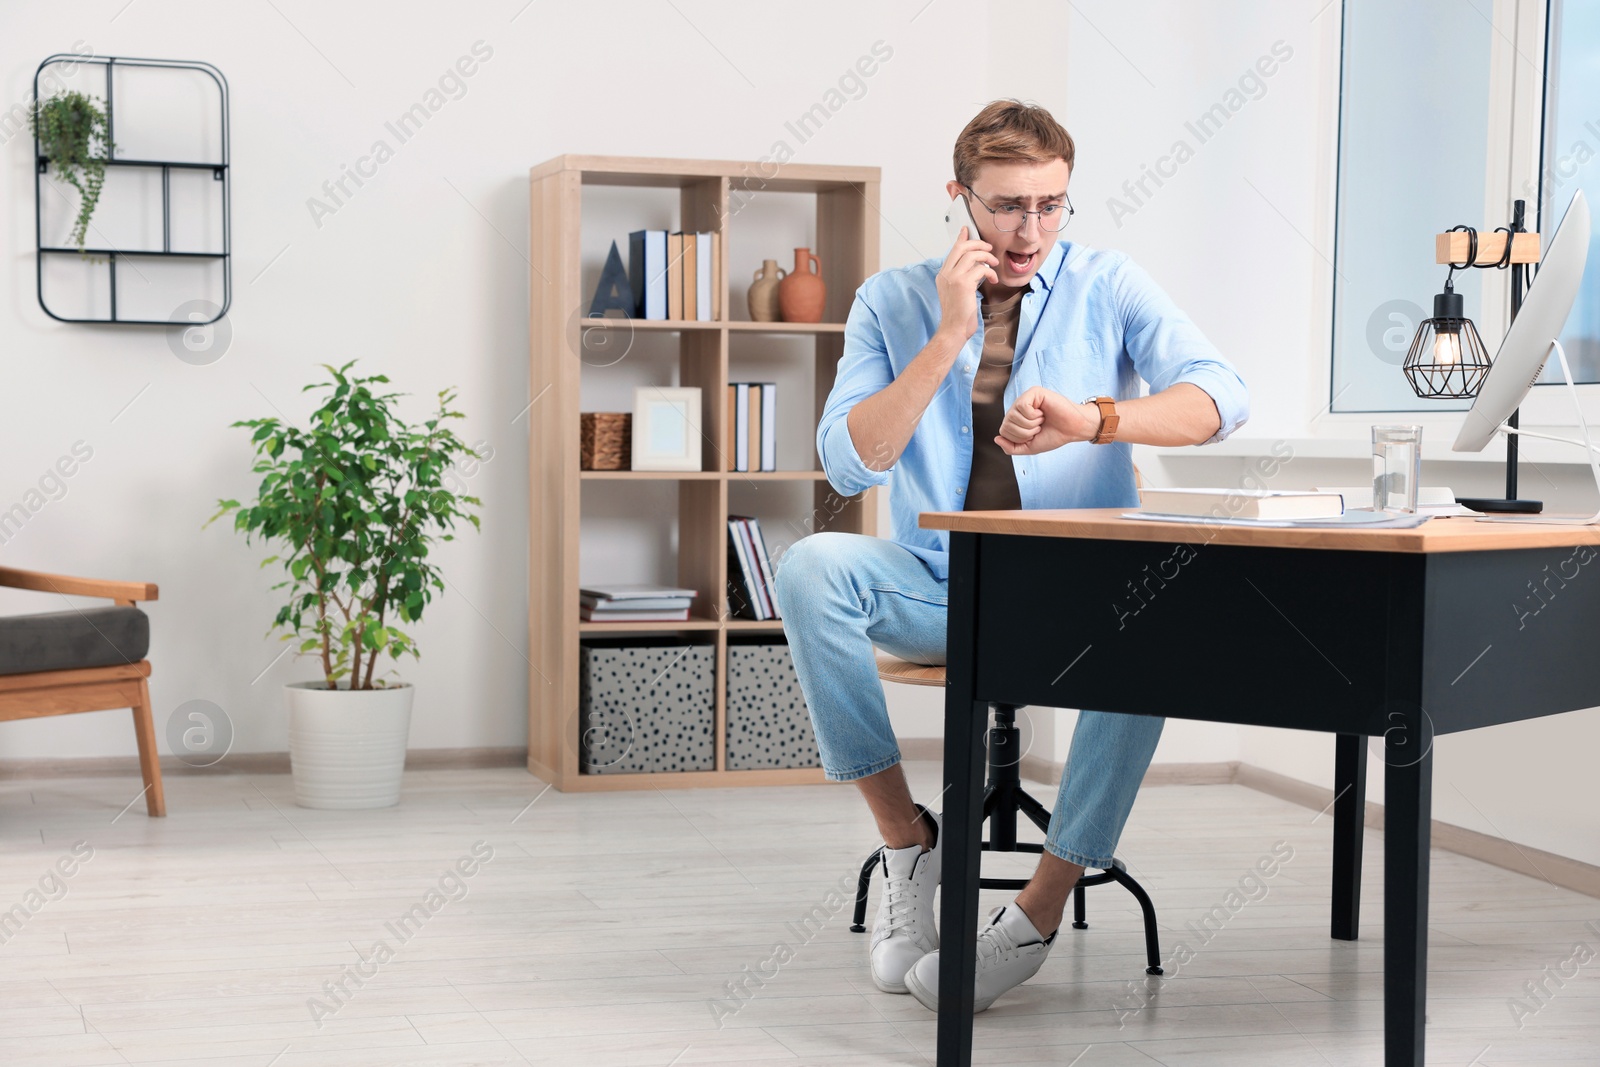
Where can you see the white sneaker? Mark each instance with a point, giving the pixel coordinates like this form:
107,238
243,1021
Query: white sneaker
1010,951
904,930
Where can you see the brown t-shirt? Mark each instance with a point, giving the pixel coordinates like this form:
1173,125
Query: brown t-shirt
992,483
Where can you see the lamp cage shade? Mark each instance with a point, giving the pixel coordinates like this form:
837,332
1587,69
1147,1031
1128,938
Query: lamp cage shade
1447,359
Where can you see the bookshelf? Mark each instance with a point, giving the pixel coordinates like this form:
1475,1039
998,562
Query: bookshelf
846,239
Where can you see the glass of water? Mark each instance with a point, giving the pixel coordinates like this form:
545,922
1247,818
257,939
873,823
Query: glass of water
1396,467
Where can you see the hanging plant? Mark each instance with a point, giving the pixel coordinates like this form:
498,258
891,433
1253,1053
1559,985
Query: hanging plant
69,127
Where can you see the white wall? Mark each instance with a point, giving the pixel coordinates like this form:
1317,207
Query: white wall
423,274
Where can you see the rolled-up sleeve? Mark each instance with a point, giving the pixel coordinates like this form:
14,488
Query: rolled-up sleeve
864,369
1167,348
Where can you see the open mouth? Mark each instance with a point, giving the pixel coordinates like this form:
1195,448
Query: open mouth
1019,262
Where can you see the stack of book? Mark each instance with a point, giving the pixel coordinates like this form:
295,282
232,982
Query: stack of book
753,422
673,275
750,593
634,603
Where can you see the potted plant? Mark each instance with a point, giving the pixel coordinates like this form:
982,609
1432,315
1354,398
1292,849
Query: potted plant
356,499
68,127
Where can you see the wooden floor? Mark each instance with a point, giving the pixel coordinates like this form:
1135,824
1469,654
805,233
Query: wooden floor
606,928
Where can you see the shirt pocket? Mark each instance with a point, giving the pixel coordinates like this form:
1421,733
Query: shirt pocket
1074,369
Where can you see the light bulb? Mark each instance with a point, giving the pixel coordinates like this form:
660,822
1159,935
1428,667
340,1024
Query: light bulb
1447,348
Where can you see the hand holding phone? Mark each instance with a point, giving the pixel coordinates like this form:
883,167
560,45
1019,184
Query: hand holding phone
966,267
956,217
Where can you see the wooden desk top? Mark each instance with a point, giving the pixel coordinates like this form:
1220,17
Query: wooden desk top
1454,534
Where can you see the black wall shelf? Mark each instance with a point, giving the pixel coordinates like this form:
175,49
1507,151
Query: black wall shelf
219,172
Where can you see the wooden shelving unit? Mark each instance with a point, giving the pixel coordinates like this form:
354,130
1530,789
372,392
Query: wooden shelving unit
847,242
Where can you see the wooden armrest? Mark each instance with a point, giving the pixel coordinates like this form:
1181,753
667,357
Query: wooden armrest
123,592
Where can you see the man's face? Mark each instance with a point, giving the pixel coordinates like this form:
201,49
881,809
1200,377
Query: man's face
1032,185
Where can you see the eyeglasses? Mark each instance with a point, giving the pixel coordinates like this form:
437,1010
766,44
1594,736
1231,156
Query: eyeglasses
1053,218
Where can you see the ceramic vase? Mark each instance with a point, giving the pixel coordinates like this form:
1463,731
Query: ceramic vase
802,294
763,295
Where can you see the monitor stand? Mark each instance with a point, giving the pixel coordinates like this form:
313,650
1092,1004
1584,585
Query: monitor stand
1509,504
1586,444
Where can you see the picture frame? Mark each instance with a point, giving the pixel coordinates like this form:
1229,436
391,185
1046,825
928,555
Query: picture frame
667,431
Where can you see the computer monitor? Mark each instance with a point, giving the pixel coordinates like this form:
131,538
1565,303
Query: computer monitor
1526,346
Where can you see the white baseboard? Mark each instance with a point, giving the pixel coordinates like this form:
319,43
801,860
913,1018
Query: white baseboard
417,759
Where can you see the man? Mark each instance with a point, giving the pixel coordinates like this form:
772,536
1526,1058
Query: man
1035,409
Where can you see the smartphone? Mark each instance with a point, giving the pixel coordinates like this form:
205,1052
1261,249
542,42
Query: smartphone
958,216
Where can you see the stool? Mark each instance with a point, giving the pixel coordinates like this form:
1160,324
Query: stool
1003,799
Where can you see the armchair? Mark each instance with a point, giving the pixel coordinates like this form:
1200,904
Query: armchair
82,659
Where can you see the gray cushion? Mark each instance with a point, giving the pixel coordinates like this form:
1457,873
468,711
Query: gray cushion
62,640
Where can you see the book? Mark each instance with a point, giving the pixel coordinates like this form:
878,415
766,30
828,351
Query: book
647,272
717,284
741,427
1350,520
743,600
588,614
769,426
733,414
634,591
702,277
689,275
753,445
763,594
674,275
646,603
764,562
1267,504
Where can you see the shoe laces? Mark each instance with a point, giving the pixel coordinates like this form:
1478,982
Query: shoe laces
995,943
897,898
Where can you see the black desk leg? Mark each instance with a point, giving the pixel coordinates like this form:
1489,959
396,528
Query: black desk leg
958,906
1408,800
1349,818
965,721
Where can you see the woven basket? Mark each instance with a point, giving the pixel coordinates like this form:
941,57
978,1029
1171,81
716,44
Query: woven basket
606,440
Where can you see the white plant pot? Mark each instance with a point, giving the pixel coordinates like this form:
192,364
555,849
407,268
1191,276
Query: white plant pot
347,748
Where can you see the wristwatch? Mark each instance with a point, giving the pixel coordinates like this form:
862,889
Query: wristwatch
1108,419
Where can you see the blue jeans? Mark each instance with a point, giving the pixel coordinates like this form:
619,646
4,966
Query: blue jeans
843,593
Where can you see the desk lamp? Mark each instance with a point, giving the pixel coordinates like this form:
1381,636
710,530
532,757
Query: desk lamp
1447,358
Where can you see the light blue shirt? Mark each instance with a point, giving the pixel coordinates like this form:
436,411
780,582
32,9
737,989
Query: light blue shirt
1092,324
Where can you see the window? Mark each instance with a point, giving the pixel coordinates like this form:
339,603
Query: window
1571,146
1414,155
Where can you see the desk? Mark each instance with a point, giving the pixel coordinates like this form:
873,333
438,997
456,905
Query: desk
1399,634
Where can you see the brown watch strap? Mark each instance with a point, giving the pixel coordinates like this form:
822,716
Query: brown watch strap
1108,420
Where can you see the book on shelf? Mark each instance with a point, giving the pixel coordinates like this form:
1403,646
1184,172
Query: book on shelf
764,564
702,277
691,274
753,424
739,452
750,577
674,275
716,273
647,272
763,591
769,426
647,603
588,614
1264,504
743,603
753,430
634,591
634,602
